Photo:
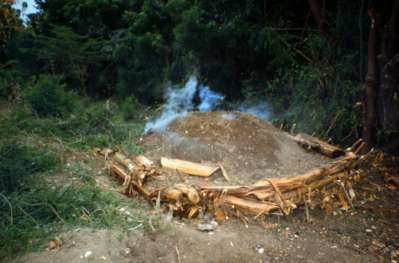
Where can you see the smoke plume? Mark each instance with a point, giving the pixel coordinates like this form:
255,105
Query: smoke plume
180,101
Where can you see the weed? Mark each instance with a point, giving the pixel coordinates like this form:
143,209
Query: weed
18,165
38,214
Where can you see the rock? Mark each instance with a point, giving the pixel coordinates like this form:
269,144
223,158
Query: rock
207,227
260,249
88,253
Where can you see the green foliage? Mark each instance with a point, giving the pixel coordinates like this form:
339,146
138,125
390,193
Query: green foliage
47,97
141,65
322,102
34,216
9,25
130,109
19,164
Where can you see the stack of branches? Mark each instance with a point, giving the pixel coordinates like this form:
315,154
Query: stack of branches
328,187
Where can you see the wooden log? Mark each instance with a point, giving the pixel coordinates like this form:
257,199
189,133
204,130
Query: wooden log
121,173
312,143
188,167
144,161
123,160
250,206
264,189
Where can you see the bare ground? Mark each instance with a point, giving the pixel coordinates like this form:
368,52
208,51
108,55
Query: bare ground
367,233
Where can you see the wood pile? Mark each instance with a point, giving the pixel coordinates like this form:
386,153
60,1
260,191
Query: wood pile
329,187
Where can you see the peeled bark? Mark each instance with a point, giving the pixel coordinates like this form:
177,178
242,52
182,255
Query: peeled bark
312,143
188,167
326,186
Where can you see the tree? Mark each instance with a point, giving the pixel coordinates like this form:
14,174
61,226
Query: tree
9,25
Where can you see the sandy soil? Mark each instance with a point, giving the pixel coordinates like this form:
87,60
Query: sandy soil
248,148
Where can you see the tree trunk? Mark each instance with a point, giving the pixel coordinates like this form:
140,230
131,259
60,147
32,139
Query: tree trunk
318,12
391,70
390,80
370,125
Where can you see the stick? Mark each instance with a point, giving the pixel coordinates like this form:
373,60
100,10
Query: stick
178,255
224,173
306,210
9,204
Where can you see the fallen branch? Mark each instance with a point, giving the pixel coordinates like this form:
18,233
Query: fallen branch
326,186
311,143
188,167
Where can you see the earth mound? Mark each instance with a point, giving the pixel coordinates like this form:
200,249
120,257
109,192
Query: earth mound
249,148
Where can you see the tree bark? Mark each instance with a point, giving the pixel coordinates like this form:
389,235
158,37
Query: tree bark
370,125
390,85
318,12
389,96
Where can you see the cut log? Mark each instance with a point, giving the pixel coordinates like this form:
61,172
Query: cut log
188,167
326,186
250,206
144,161
311,143
123,160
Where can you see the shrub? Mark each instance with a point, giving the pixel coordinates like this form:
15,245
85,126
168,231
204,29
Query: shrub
40,212
18,164
130,109
47,97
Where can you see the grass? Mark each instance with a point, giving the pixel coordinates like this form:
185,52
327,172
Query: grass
36,215
34,207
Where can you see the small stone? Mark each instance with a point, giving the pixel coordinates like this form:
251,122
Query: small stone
207,227
259,249
88,254
368,230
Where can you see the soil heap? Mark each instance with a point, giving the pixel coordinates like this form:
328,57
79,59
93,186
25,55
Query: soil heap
249,148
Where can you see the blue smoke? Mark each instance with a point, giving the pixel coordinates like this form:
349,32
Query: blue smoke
209,99
178,103
260,110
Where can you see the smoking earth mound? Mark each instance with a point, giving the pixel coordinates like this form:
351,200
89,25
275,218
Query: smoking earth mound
247,147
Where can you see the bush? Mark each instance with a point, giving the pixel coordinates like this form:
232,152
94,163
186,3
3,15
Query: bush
130,109
18,164
47,97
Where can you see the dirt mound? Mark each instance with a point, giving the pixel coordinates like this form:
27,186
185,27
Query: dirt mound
248,147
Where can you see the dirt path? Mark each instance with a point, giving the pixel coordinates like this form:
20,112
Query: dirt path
231,242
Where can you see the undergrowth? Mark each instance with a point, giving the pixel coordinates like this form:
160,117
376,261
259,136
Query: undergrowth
32,218
34,208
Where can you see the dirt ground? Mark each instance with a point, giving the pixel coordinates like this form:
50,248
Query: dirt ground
367,233
249,148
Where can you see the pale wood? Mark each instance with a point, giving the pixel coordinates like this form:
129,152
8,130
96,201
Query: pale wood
250,206
188,167
142,160
123,160
312,143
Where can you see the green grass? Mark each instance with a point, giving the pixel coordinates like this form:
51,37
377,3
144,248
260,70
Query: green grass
30,219
33,206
